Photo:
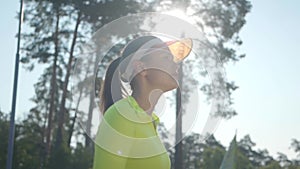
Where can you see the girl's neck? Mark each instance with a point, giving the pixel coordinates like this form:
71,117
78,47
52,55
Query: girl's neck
147,99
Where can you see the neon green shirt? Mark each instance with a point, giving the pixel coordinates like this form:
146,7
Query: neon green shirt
127,139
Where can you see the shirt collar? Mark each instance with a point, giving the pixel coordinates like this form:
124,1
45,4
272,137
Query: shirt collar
142,112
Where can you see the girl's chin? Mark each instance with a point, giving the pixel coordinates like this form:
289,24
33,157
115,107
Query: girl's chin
175,86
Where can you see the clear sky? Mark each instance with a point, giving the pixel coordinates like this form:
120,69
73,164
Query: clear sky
267,101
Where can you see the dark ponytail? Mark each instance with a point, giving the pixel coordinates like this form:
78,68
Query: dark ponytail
112,82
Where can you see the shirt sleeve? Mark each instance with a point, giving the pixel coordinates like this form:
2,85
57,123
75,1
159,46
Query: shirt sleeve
113,141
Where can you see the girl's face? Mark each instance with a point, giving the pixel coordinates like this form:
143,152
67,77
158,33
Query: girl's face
162,71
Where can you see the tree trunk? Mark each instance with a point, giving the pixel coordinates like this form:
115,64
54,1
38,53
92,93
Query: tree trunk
76,108
74,119
89,120
62,109
53,88
90,112
43,151
178,146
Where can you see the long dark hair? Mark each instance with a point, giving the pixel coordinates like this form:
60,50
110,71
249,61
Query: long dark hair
112,80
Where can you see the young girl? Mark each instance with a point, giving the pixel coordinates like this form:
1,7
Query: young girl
127,136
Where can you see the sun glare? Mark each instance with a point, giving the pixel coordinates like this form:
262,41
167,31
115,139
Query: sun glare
180,14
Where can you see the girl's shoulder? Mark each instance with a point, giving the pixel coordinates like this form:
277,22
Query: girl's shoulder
120,117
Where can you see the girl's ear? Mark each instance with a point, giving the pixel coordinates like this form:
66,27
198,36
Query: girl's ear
139,67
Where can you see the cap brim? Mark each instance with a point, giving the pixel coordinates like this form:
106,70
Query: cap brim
180,49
